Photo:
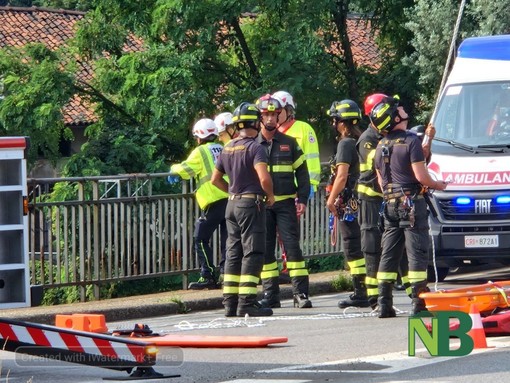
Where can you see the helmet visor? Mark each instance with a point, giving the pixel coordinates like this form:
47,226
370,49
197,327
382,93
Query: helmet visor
269,105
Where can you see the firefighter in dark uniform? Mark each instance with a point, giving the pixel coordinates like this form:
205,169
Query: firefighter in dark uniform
250,188
371,198
402,175
342,200
212,201
291,183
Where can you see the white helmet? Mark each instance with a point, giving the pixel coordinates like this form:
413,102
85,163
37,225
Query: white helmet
285,97
222,120
204,128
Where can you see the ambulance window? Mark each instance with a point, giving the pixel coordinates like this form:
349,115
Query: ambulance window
467,113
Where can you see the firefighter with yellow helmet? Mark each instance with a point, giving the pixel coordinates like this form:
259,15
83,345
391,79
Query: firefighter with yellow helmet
342,200
402,175
250,188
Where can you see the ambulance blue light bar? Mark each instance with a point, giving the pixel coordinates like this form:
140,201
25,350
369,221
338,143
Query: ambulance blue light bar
503,200
486,48
462,200
500,200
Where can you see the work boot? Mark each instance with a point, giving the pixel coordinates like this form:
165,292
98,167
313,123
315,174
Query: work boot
399,286
203,283
230,311
253,309
271,288
230,304
359,297
385,300
418,303
301,301
271,300
372,301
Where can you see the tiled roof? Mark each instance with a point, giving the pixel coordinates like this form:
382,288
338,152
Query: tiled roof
363,46
53,27
20,26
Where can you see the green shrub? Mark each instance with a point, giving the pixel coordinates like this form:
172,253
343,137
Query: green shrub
330,263
342,282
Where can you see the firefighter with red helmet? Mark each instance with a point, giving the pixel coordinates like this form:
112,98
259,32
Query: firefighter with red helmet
371,198
211,200
342,201
402,175
250,188
291,183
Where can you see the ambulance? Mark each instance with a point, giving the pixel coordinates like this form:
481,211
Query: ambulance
470,220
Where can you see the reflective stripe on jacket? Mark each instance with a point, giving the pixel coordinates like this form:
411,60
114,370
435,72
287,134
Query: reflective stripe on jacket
307,140
368,187
288,168
200,165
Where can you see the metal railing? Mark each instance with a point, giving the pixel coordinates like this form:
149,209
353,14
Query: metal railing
91,230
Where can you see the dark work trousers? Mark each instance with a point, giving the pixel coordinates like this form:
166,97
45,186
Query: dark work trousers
282,218
403,271
399,235
212,217
351,243
368,219
246,226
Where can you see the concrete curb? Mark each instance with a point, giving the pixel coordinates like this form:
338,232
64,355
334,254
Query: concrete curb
154,305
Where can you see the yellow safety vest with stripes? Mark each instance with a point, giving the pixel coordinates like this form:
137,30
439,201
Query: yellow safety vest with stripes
200,165
307,140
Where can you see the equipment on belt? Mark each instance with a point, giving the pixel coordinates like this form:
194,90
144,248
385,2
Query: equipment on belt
258,197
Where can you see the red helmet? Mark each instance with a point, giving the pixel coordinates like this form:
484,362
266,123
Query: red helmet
372,101
268,103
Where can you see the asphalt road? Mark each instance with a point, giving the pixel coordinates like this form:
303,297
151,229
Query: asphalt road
325,344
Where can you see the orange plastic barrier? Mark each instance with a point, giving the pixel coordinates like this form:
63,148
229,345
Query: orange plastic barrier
212,341
82,322
486,297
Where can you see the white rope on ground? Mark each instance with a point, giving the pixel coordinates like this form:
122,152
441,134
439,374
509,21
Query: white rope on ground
218,323
247,321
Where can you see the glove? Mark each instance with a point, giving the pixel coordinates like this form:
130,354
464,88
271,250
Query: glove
173,179
312,192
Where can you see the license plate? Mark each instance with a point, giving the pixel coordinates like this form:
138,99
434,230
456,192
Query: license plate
481,240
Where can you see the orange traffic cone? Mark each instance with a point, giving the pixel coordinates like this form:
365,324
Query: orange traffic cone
477,332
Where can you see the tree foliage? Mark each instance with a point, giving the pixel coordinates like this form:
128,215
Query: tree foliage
159,65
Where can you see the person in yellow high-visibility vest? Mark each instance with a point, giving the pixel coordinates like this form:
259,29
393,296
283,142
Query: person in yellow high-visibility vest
212,201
